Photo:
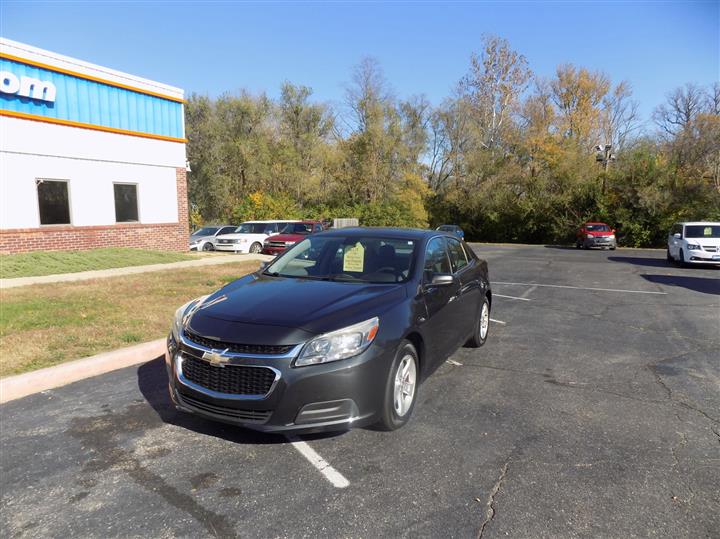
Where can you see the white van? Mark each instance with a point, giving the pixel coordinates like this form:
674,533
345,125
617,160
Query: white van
697,242
249,236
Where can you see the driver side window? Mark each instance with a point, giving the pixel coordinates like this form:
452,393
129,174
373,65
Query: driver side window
436,259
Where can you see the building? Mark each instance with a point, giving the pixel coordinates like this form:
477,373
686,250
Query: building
89,157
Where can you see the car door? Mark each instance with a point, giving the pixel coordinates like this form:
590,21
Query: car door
674,242
469,292
443,310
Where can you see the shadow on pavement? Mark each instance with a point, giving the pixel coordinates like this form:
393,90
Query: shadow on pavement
153,384
704,285
642,261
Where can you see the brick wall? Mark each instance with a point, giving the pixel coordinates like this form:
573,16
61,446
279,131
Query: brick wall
162,236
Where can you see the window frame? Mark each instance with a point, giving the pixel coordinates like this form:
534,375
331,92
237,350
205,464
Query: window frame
137,203
425,257
38,181
462,249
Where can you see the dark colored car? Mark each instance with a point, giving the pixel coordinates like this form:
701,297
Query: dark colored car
337,332
452,229
592,235
290,235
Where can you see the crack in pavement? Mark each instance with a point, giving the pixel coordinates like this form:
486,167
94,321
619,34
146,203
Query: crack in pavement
490,504
682,403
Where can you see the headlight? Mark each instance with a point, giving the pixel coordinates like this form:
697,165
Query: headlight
182,312
288,243
611,236
589,236
694,247
241,240
340,344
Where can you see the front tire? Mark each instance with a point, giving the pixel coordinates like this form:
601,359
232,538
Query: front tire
681,260
255,248
401,388
482,326
670,258
207,246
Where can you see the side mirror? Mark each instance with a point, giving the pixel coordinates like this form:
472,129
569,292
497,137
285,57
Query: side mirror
264,264
676,235
441,279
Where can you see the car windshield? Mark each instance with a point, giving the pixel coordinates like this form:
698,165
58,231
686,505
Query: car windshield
252,228
297,228
205,231
702,231
348,258
598,228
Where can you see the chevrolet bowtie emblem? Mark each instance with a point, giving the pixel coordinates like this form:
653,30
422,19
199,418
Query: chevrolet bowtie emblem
216,359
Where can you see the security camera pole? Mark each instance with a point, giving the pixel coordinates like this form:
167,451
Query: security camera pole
604,156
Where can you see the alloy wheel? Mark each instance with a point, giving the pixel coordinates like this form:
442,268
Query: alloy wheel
404,390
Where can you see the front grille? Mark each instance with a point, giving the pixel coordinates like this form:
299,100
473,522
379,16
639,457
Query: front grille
265,349
710,248
276,243
231,379
250,416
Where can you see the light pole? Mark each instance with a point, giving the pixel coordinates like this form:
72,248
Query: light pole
603,155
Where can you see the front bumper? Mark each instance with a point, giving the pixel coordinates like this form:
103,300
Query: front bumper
600,242
328,397
273,250
702,257
233,247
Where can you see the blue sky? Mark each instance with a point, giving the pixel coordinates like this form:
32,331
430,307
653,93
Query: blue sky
424,48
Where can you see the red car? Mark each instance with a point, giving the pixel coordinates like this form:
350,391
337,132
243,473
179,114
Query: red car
290,235
595,235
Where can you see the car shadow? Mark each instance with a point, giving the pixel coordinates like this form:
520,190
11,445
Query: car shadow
153,384
704,285
562,247
642,261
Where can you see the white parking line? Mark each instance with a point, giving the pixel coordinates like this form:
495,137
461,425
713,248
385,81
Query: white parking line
581,288
509,297
498,321
331,474
453,362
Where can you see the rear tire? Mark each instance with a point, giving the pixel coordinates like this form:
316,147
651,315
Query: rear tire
401,388
482,326
255,248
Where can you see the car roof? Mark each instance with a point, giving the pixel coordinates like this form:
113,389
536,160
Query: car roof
381,232
701,223
595,223
271,221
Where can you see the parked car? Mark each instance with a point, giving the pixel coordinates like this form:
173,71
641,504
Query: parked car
249,236
336,332
291,234
203,239
452,229
592,235
696,242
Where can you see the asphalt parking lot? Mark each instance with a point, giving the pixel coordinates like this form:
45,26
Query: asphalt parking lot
592,411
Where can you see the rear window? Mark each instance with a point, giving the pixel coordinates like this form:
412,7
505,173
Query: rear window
702,231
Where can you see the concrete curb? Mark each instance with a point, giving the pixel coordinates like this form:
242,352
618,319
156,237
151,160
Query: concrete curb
130,270
22,385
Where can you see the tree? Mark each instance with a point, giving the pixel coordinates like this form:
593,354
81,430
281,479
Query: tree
497,78
681,107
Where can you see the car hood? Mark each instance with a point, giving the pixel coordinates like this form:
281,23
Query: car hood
259,309
236,236
287,237
705,241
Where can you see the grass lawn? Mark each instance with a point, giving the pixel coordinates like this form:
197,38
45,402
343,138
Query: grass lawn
51,262
42,325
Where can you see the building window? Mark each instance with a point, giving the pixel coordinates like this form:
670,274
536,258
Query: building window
54,202
126,206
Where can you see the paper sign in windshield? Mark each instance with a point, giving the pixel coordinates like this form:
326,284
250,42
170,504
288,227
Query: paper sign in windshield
707,231
354,258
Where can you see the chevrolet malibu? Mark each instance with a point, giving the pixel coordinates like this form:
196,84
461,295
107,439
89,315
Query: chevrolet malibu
337,332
